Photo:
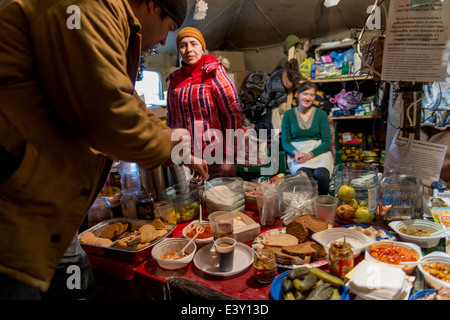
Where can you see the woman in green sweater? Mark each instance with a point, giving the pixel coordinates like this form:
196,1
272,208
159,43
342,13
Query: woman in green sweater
306,138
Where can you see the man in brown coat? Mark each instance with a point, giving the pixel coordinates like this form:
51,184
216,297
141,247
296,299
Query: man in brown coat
67,107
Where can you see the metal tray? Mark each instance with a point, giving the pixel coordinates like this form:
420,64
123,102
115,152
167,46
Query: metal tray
121,254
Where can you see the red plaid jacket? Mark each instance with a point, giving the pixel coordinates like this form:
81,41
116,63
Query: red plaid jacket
202,98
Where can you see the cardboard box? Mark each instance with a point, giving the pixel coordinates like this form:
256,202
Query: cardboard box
236,58
246,233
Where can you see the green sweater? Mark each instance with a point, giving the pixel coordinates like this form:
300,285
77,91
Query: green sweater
319,130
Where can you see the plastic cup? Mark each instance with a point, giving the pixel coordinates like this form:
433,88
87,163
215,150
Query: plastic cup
222,224
326,208
225,253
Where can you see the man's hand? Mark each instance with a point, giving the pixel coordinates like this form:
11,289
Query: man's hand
199,166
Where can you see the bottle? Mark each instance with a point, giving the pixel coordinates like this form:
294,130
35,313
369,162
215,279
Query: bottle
341,258
129,175
145,205
99,211
345,67
128,203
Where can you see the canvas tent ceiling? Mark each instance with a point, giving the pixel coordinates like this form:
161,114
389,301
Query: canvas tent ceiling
248,24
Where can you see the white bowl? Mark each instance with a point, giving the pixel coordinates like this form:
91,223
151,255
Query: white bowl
170,245
357,240
198,242
423,242
434,282
410,246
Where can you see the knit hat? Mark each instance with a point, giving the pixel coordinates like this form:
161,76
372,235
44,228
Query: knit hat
191,32
176,9
291,40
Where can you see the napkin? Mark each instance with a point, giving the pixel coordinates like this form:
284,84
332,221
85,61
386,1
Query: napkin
375,281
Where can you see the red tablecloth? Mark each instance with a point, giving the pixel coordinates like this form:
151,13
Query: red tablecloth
148,275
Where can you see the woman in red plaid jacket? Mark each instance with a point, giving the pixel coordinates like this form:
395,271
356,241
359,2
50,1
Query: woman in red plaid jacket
204,100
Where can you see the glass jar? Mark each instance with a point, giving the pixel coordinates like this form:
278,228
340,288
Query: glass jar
145,205
99,211
165,211
356,186
128,203
265,266
186,200
401,195
341,258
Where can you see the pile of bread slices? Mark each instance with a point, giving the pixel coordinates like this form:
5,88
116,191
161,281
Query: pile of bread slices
296,246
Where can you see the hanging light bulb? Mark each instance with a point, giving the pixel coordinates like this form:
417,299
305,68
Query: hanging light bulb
200,10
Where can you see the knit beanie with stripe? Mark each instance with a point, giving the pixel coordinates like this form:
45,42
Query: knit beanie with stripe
191,32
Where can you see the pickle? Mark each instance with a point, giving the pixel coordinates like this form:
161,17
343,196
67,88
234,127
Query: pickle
297,283
299,295
286,284
329,278
307,283
288,296
322,292
336,295
298,272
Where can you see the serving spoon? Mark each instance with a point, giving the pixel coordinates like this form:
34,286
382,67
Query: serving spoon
440,232
180,254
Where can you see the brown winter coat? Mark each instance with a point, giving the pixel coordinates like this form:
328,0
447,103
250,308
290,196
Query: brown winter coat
66,109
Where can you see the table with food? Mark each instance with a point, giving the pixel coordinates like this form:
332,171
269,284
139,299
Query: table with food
288,251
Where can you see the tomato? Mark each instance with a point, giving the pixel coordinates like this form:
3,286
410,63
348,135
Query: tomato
207,233
392,254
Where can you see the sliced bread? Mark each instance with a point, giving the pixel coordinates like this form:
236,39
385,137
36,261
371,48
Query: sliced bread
312,223
280,240
284,258
301,249
299,230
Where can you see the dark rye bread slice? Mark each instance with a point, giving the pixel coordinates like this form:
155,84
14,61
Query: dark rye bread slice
284,258
302,249
298,230
312,223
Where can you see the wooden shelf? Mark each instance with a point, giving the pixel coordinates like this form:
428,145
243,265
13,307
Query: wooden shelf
341,79
355,118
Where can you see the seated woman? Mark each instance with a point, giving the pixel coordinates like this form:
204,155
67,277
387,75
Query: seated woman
306,138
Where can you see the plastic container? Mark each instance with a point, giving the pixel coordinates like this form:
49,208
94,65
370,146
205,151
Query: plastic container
415,249
128,203
423,242
99,211
356,239
198,241
401,195
296,197
439,257
356,186
225,194
170,245
186,200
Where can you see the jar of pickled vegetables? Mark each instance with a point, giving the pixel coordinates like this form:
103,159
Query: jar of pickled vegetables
186,200
341,258
265,266
165,211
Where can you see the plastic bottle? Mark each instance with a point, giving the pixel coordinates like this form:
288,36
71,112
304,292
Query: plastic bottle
345,67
